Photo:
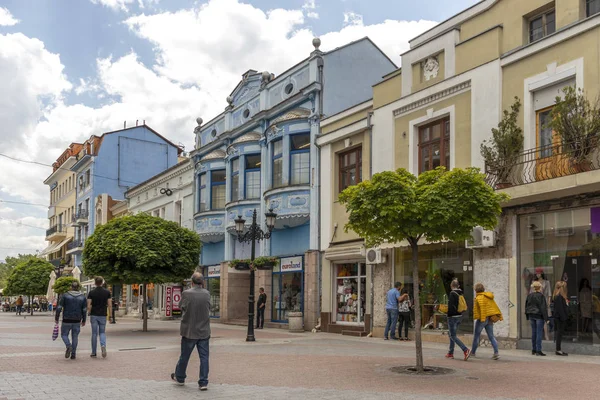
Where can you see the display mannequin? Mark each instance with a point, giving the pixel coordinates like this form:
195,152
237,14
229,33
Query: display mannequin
585,304
547,292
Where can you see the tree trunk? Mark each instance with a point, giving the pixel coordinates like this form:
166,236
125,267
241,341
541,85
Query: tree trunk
30,306
144,309
417,304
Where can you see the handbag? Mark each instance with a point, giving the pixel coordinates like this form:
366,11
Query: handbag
55,332
494,318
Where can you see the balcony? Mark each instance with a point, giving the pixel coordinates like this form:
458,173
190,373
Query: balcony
210,225
57,232
80,218
547,172
75,246
291,203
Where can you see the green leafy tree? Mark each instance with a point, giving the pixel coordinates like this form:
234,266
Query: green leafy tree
141,249
9,264
63,284
437,205
30,277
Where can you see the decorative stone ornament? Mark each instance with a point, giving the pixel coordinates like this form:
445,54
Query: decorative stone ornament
431,67
316,42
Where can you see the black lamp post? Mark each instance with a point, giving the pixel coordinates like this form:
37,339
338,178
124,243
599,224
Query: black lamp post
58,270
253,235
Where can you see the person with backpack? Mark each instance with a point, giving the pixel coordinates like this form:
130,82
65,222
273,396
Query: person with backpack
456,306
486,313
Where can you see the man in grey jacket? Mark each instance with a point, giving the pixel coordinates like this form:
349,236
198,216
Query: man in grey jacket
194,330
73,307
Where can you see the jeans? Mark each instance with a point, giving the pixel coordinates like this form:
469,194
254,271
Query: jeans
489,329
19,310
453,323
260,317
537,333
390,327
559,327
403,320
187,346
74,328
98,327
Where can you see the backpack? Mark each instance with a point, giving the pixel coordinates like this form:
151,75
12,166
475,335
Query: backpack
462,304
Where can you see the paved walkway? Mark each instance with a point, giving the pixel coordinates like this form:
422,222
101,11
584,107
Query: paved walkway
279,365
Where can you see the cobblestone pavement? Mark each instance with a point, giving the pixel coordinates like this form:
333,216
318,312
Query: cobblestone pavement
279,365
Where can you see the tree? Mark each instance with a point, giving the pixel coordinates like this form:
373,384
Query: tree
141,249
29,277
437,205
9,264
63,284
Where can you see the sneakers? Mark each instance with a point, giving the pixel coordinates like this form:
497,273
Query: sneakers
494,357
449,355
203,388
103,349
68,352
174,379
467,354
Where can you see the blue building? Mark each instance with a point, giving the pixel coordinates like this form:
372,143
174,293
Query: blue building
260,153
106,167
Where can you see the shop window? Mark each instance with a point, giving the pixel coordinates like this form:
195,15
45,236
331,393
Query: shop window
434,145
277,163
212,278
235,179
350,168
202,193
252,178
287,283
542,25
350,292
563,221
300,159
217,186
592,7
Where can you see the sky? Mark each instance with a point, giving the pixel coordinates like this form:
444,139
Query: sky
73,68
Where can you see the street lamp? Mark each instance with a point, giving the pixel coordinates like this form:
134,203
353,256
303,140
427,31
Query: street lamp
253,235
58,270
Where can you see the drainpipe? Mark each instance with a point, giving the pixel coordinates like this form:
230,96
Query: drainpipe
370,127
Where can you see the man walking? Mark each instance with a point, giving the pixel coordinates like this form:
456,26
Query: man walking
19,304
454,319
391,308
98,303
73,306
260,309
194,330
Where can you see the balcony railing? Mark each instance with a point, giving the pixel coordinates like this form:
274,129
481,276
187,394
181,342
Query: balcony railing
75,244
59,228
80,214
543,163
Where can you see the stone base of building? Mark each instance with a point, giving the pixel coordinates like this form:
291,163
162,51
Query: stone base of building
329,326
549,347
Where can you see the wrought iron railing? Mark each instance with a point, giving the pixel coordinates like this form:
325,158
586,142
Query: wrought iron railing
543,163
75,244
56,229
80,214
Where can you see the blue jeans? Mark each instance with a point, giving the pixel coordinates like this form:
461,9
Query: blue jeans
453,323
187,346
489,329
537,333
390,327
74,328
98,327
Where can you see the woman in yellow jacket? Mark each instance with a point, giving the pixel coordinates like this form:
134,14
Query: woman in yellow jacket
486,313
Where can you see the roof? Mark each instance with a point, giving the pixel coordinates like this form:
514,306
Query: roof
179,149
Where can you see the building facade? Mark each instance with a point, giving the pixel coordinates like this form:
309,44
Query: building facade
260,154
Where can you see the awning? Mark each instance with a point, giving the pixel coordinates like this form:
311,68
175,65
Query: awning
59,245
49,249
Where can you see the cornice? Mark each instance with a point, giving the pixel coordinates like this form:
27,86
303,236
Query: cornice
164,179
433,98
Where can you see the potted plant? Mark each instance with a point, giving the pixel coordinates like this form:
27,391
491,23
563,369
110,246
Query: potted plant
576,122
265,262
501,152
240,265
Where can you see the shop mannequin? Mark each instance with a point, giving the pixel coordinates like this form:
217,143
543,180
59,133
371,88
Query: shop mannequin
547,292
585,304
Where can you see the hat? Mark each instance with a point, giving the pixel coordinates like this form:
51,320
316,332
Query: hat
539,270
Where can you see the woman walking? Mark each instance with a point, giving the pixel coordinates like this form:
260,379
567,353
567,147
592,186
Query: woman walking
404,314
560,314
486,312
536,310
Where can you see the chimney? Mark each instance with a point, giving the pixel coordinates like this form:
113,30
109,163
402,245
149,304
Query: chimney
124,124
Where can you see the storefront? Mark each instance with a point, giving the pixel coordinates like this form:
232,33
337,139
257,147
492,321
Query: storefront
350,293
563,245
287,288
212,278
439,264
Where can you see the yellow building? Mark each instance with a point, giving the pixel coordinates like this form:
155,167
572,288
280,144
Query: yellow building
456,80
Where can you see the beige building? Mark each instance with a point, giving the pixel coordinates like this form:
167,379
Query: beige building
456,80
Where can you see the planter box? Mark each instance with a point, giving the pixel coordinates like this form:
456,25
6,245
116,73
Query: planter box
296,322
266,267
242,267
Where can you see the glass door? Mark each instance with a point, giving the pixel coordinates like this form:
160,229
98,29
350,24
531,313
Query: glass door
350,293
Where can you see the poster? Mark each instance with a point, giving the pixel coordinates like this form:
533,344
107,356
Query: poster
168,301
176,300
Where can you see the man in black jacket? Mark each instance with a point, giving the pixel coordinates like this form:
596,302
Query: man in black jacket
536,311
454,320
73,307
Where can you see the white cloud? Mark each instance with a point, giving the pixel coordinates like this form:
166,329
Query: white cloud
122,5
309,8
352,18
6,18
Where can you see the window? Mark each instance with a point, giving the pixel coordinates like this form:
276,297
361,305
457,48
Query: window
350,292
350,168
592,7
544,133
300,159
235,179
202,193
542,25
87,177
277,163
217,183
434,145
252,171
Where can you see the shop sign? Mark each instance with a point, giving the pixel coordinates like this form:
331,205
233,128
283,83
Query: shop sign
168,301
291,264
176,300
214,272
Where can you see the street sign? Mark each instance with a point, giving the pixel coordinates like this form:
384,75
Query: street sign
176,300
169,301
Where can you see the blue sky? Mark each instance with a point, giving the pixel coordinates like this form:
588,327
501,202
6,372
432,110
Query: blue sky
72,68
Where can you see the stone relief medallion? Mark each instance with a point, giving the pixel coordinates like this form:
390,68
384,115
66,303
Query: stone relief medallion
431,67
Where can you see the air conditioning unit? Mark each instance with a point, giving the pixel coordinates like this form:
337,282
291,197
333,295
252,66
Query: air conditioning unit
373,255
481,239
